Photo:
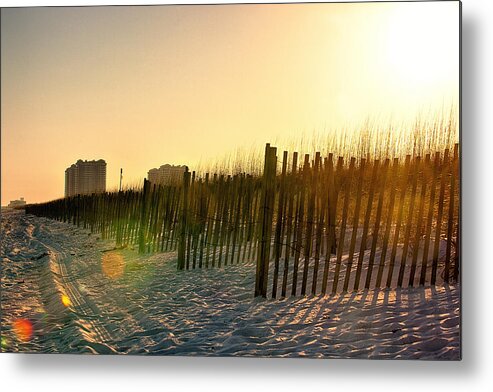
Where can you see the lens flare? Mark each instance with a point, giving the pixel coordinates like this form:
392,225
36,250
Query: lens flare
5,343
113,264
23,329
66,300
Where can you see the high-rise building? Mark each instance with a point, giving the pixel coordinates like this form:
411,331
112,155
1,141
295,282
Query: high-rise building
71,178
85,177
166,174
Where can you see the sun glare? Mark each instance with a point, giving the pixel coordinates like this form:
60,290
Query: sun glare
213,85
419,47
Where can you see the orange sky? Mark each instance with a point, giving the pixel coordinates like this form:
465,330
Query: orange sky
144,86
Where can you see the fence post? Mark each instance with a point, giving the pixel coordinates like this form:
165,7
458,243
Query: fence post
331,213
450,223
400,210
441,198
265,221
376,229
143,217
182,241
299,221
366,223
291,190
279,224
389,223
310,182
191,190
420,218
78,210
320,213
342,234
457,258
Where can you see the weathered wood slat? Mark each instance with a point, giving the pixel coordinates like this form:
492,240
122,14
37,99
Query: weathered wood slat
289,225
357,208
279,225
419,219
451,211
438,227
330,232
414,183
389,222
342,234
265,225
376,229
429,220
366,224
400,211
310,184
183,221
300,225
320,222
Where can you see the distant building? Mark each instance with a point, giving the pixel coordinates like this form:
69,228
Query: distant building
166,174
17,203
85,177
71,180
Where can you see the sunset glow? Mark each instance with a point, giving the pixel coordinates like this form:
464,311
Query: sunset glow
144,86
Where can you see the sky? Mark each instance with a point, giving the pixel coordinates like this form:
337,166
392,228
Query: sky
144,86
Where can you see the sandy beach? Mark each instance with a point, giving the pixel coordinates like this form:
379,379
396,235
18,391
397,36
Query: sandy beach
83,296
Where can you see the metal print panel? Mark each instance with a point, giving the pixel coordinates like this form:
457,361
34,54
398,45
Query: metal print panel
261,180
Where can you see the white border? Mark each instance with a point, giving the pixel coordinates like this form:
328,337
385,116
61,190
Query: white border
90,373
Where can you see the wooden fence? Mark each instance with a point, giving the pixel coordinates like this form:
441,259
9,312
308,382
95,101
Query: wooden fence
321,226
210,221
343,226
